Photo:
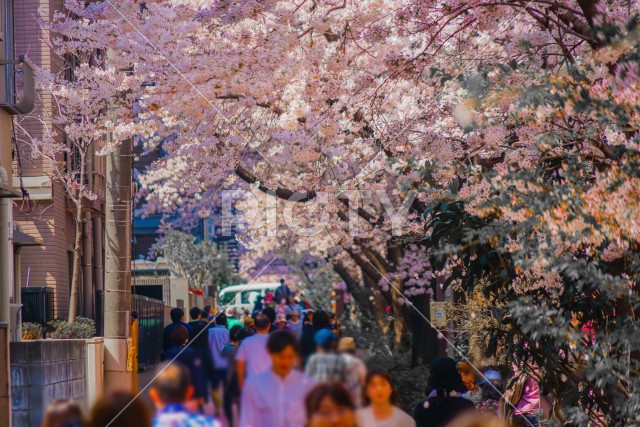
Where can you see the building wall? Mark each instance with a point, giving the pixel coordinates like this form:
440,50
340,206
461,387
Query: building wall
50,217
43,371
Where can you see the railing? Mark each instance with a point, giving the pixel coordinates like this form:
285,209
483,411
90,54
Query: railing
151,321
150,327
37,305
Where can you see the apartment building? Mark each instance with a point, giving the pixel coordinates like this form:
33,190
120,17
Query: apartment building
47,214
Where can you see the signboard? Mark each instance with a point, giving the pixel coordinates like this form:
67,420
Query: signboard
438,314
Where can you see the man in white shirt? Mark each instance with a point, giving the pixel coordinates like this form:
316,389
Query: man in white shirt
252,357
275,397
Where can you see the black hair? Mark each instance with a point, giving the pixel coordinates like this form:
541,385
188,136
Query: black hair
262,322
270,313
282,281
221,319
233,332
207,309
245,333
334,391
382,373
320,320
176,314
279,340
194,313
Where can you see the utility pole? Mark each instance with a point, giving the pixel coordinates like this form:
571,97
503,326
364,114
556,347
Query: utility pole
117,287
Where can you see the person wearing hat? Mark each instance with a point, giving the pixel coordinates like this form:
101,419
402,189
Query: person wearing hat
232,317
281,322
326,365
355,367
491,391
294,324
443,402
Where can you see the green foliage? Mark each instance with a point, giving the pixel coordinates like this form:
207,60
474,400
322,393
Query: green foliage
31,331
82,328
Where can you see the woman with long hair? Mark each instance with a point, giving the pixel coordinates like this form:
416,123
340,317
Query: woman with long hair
381,400
330,405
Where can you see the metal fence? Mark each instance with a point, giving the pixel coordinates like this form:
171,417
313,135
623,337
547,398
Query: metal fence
37,305
151,314
150,327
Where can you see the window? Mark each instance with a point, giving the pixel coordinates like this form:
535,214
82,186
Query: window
73,161
7,81
70,65
3,13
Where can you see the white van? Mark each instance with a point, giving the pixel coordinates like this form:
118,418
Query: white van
243,297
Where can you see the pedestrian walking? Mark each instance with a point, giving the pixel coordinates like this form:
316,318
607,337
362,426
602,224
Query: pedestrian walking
308,320
120,408
253,357
326,365
307,342
521,402
232,317
330,405
294,324
356,369
468,375
281,322
231,398
177,318
282,291
491,391
268,298
444,401
292,305
193,360
258,306
170,392
272,315
381,400
63,413
282,308
218,338
275,397
199,341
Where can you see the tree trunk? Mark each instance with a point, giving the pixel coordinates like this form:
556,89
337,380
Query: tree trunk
77,253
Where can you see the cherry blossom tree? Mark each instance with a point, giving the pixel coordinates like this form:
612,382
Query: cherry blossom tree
89,113
511,126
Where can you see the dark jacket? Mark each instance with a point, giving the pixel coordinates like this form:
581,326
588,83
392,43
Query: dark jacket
283,291
202,340
439,413
195,363
166,334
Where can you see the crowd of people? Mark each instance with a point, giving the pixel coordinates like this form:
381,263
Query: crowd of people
277,368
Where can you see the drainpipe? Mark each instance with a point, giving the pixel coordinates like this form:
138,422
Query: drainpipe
87,267
6,282
6,251
98,265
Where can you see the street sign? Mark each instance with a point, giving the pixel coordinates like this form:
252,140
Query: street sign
438,314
